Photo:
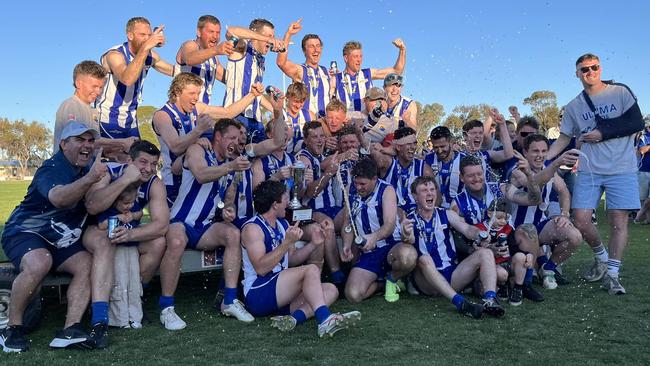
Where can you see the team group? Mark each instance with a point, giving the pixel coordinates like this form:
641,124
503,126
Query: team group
336,176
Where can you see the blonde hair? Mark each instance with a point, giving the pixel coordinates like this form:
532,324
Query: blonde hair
351,46
297,90
180,82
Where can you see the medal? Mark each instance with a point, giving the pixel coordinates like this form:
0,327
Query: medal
360,241
348,229
221,205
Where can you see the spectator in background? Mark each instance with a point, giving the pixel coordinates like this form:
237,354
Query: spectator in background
643,148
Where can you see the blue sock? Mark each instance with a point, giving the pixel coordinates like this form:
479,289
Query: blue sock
229,295
529,277
300,316
99,312
550,265
165,302
338,276
458,300
541,260
489,295
389,277
322,313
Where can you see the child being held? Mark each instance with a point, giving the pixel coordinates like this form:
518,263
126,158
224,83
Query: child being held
125,307
502,239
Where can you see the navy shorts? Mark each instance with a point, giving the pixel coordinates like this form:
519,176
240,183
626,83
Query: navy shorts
375,261
540,225
16,246
114,131
254,129
261,299
193,234
331,211
447,272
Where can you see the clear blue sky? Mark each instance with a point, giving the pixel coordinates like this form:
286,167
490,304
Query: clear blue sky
460,52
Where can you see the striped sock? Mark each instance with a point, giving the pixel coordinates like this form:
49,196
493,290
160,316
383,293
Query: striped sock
601,253
613,266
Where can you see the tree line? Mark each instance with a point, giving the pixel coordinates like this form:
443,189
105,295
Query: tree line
31,143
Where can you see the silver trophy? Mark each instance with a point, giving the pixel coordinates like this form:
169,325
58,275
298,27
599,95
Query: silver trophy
296,211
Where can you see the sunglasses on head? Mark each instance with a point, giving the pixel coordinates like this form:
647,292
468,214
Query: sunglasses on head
525,134
586,69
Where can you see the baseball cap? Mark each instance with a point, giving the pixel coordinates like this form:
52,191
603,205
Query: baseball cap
76,128
392,79
375,93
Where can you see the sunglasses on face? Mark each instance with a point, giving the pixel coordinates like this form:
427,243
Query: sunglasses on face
586,69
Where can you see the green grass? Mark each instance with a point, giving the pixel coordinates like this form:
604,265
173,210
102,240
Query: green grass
578,324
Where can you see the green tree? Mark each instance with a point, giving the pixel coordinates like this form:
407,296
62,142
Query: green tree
429,116
28,143
145,125
543,104
463,113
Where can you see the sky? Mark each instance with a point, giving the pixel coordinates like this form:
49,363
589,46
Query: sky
460,52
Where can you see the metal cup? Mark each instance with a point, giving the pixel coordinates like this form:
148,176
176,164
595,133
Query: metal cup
298,175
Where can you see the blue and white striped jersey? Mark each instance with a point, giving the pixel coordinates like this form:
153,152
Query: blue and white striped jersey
118,103
434,238
207,71
183,123
325,198
318,82
241,74
351,89
196,202
401,178
368,214
273,237
296,123
398,110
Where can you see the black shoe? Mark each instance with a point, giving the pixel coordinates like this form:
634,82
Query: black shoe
12,339
531,294
74,336
98,338
492,307
502,293
560,279
471,309
516,295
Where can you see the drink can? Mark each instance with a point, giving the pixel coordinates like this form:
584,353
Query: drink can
273,91
234,40
334,66
112,225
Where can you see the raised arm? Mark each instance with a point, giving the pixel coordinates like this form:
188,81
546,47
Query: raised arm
508,152
398,68
114,61
292,70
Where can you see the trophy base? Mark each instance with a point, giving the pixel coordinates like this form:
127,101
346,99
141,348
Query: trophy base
302,214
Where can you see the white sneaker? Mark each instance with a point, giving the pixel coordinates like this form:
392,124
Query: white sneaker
237,310
548,279
284,323
171,320
612,284
596,271
338,321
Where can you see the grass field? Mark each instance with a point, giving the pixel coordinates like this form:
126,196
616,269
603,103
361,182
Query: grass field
578,324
